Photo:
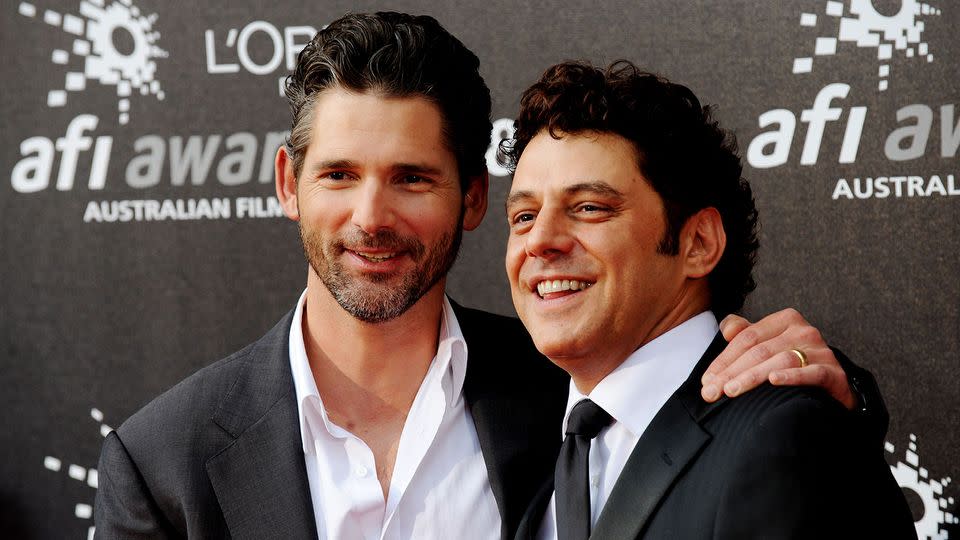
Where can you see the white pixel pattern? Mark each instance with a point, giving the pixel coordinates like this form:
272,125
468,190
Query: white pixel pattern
103,63
81,474
911,476
866,27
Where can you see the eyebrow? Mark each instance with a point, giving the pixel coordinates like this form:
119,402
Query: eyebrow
333,164
414,168
418,168
598,187
518,196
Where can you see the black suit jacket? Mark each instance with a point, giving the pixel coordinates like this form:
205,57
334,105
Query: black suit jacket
220,454
773,463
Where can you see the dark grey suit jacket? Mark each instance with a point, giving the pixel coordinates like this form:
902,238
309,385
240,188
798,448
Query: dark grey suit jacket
220,454
773,463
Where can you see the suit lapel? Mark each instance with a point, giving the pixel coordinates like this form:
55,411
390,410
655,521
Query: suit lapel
673,439
516,400
533,519
260,479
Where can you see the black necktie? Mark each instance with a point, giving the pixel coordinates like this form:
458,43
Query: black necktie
572,477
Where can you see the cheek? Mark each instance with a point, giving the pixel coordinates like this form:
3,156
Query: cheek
328,208
514,260
428,215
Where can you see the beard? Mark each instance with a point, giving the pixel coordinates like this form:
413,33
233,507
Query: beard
378,297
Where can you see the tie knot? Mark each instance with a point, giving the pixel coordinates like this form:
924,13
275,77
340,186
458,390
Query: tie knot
587,419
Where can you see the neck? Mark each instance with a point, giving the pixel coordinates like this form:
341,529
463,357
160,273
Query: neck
587,371
375,367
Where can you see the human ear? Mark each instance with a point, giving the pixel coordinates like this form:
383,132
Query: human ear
703,241
475,201
286,183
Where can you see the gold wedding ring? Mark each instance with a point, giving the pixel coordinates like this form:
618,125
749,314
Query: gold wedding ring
800,356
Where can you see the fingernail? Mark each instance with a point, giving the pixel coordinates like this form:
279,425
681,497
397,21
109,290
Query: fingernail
732,388
777,378
707,378
710,393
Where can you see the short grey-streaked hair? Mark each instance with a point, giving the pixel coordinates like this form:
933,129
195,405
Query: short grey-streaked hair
397,55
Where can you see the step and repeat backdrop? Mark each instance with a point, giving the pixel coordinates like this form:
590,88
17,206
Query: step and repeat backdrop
141,238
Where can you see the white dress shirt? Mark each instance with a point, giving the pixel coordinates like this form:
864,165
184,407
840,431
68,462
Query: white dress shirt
633,395
439,488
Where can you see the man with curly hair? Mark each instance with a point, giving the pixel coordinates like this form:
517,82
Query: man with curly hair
631,232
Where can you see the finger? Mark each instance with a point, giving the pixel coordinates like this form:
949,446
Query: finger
829,377
758,374
752,358
763,330
754,366
742,342
795,332
731,325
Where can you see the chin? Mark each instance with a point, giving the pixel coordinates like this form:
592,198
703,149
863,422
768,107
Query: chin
552,345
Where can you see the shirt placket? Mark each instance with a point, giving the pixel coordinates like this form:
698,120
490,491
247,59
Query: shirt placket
363,488
419,432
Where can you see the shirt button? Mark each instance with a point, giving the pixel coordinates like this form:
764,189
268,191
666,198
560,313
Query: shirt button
361,471
594,480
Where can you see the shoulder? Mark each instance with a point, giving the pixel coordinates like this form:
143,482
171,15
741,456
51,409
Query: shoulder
784,417
177,416
789,453
473,321
800,436
500,343
192,398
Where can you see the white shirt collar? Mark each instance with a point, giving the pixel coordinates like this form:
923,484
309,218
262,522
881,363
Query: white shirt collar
451,354
635,391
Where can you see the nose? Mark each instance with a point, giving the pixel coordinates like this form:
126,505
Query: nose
373,208
550,237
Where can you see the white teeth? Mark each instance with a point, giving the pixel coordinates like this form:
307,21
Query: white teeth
376,258
556,285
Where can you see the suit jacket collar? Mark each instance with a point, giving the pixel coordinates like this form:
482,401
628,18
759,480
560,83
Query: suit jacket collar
260,478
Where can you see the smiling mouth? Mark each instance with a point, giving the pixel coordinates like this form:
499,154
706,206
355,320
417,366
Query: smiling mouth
375,257
547,286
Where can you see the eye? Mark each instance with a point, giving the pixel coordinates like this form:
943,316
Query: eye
335,176
593,212
415,182
335,179
413,179
590,207
522,217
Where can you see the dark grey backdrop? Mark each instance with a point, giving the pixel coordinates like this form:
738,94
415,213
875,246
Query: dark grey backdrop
96,318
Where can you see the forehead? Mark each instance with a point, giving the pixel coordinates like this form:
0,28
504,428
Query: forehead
365,123
554,164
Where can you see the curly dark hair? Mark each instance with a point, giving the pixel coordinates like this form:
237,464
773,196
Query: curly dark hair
397,55
684,154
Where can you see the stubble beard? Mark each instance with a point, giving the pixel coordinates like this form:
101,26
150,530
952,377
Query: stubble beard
380,297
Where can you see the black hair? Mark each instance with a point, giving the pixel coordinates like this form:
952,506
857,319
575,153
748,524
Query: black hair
684,154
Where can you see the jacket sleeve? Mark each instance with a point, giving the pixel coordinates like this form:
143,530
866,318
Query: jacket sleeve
870,413
124,507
